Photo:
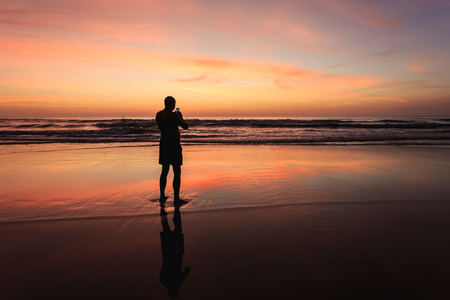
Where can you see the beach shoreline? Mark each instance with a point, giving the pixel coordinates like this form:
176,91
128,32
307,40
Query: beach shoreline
288,222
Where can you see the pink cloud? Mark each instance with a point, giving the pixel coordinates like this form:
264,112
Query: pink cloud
386,99
204,79
163,23
421,64
91,58
281,75
417,68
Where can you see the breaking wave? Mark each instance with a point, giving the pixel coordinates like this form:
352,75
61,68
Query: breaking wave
232,131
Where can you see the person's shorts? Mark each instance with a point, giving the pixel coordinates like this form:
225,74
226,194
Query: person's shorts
170,153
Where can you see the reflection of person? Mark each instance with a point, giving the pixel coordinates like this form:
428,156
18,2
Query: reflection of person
172,246
170,152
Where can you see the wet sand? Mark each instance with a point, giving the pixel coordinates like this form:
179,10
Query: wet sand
372,250
268,222
77,181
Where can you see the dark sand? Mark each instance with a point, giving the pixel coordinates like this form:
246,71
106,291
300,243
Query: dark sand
352,250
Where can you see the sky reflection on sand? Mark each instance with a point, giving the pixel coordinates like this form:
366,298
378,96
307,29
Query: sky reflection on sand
291,174
124,180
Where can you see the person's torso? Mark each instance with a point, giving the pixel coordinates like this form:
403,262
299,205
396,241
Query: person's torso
168,125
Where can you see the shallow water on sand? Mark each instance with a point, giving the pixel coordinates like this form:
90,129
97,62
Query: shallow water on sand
83,180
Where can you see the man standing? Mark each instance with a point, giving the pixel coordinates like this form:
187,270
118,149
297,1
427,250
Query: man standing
170,151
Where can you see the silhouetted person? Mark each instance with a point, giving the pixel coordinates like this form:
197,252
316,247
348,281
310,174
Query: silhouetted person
170,151
172,246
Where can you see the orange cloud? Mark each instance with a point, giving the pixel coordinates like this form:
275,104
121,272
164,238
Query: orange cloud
389,99
205,78
417,68
420,64
414,67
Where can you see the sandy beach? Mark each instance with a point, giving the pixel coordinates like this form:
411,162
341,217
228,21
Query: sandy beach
262,222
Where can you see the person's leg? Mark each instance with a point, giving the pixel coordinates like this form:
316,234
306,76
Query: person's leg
163,182
176,181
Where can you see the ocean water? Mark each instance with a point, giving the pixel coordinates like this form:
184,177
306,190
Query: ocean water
341,131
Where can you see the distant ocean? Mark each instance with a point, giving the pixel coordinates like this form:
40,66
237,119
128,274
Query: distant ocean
306,131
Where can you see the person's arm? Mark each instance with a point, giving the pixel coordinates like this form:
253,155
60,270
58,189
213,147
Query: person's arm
181,121
157,119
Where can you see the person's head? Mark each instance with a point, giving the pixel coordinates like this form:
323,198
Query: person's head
169,103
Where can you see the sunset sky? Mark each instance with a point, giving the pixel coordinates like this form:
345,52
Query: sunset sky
237,58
